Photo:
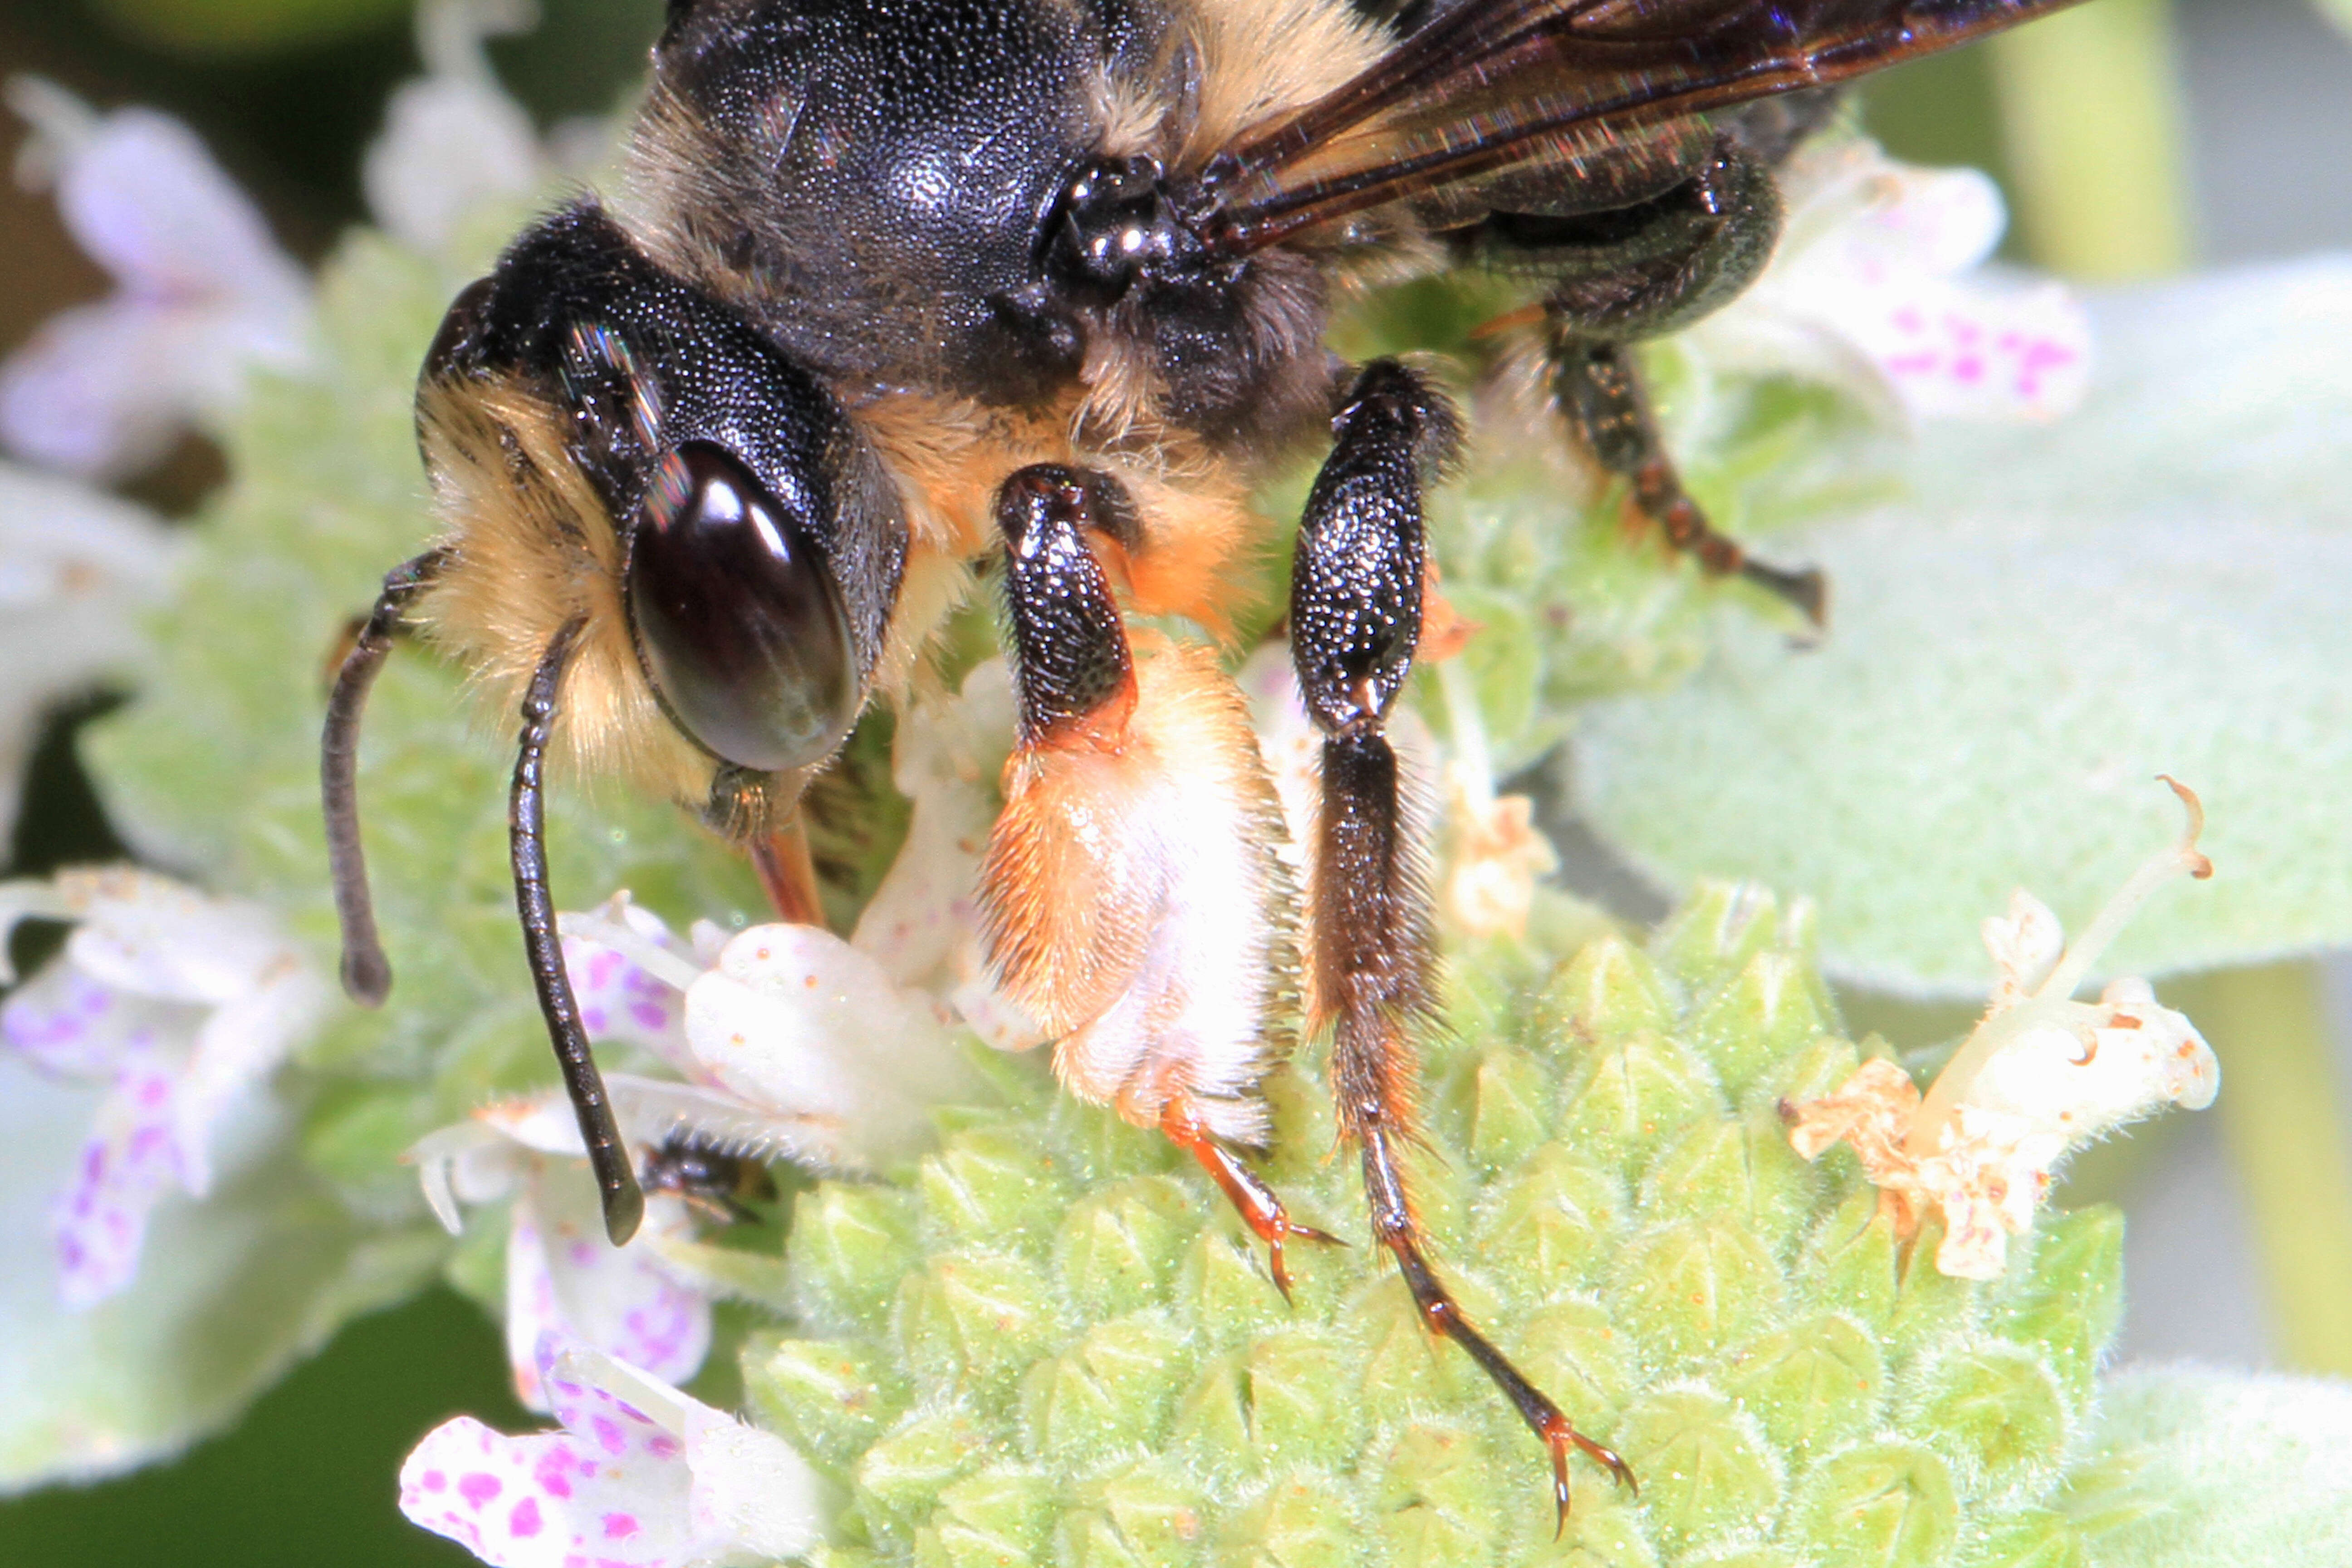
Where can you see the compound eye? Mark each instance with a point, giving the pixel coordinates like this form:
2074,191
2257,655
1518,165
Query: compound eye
739,624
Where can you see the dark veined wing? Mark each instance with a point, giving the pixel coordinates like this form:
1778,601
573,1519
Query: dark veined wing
1488,85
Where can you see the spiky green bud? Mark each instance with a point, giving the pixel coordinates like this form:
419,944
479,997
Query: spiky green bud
1054,1343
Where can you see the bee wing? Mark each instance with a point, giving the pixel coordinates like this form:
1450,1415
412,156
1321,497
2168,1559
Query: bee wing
1492,85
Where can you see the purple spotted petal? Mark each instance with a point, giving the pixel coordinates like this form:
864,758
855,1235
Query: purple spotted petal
130,1160
204,293
565,1277
66,1024
619,1001
553,1499
1957,351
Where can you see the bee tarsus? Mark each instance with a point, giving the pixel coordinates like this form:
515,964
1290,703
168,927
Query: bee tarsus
1260,1208
1601,393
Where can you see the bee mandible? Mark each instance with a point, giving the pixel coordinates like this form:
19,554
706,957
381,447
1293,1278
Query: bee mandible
890,287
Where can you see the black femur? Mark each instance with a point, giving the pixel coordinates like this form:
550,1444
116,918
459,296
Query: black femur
739,624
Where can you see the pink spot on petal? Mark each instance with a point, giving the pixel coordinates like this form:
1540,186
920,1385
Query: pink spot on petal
661,1445
478,1488
608,1436
524,1521
434,1481
621,1526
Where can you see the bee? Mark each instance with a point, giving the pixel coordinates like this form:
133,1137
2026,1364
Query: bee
890,288
717,1185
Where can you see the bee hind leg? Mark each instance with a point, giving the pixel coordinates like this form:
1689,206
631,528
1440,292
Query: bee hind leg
1628,273
1355,617
1601,393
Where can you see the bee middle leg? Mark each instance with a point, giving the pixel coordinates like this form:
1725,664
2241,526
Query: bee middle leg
1630,273
1133,902
1355,617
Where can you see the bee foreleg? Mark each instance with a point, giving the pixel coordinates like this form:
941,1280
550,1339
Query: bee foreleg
1134,905
624,1202
367,973
1600,393
1355,617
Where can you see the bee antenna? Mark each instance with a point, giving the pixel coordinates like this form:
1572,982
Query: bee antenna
608,1155
367,975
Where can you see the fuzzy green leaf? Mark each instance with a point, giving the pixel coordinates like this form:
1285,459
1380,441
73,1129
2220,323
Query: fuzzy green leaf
2233,1472
2047,620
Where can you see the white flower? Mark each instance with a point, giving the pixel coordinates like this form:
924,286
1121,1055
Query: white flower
640,1475
77,568
562,1275
202,292
922,925
786,1042
793,1043
184,1005
1878,288
2041,1074
453,141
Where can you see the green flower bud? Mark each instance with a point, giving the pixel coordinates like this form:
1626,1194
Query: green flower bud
1054,1340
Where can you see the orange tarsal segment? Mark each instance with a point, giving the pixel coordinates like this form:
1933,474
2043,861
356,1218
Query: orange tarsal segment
1260,1210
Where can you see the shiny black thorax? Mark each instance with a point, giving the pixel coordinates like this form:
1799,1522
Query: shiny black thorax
873,179
917,196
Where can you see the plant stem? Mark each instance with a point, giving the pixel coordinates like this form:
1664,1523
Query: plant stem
2283,1116
2090,110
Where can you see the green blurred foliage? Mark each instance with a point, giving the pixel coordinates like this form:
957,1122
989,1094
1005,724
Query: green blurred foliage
308,1479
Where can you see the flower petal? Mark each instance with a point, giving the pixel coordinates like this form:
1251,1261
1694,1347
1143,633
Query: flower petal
1873,291
142,196
565,1276
750,1488
800,1023
451,146
238,1046
619,997
465,1164
70,1025
641,1475
229,1292
151,936
130,1160
922,924
78,570
2025,943
553,1500
205,292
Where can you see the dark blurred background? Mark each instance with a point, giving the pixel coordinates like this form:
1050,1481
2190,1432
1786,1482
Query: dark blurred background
2149,138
